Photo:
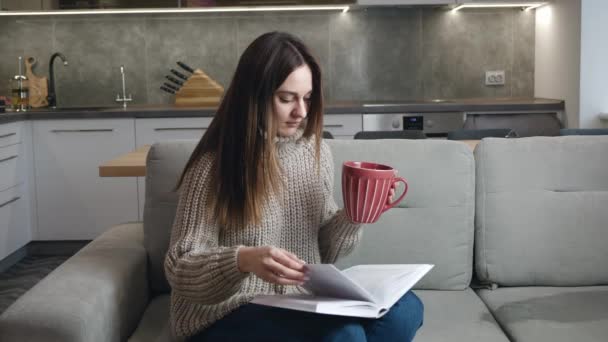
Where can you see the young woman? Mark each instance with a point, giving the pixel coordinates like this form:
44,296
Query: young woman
256,206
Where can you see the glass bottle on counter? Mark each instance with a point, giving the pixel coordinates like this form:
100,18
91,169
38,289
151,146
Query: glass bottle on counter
20,90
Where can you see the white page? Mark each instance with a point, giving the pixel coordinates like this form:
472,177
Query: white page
327,281
387,283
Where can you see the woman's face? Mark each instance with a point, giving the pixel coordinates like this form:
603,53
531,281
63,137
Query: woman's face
291,101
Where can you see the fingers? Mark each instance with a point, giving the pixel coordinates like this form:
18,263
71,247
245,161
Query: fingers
285,272
282,267
391,194
286,265
294,257
276,279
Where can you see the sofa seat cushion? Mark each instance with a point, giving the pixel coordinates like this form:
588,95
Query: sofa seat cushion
154,324
456,316
551,313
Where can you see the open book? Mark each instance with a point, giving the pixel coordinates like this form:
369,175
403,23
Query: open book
360,291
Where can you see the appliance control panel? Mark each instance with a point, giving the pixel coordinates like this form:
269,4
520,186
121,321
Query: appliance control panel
433,124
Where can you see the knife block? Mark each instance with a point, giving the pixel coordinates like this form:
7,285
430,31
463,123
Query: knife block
199,90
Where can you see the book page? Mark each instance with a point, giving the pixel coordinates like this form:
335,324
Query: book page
387,283
320,305
327,281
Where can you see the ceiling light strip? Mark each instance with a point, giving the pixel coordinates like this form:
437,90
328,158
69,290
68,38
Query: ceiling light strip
180,10
526,5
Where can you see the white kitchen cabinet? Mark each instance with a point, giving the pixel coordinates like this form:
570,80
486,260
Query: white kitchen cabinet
150,131
15,227
73,202
15,180
11,166
11,133
343,126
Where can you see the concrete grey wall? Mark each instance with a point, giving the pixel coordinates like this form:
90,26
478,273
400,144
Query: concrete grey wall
373,54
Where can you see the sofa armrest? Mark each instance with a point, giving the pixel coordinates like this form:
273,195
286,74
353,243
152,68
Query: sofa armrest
97,295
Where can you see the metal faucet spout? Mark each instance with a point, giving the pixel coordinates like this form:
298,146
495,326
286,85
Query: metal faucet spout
124,99
52,96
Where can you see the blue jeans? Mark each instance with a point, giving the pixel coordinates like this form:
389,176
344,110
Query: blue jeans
254,322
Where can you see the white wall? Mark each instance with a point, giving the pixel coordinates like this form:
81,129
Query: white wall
557,54
594,63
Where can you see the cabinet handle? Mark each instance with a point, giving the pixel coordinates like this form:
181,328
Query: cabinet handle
8,158
334,126
7,135
81,130
14,199
179,128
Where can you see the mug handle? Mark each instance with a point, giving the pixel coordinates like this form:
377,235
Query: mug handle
394,203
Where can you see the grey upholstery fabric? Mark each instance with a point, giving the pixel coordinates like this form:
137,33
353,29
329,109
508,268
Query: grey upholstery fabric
551,314
434,223
164,167
97,295
154,325
456,316
541,215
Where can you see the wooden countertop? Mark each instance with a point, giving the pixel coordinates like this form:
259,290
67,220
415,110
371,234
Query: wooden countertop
133,164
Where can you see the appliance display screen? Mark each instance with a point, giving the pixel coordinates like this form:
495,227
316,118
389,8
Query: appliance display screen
413,122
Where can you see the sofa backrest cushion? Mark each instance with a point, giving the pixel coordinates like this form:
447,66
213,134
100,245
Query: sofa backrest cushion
542,211
164,165
434,223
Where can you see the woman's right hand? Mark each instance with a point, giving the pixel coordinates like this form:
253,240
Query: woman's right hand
272,264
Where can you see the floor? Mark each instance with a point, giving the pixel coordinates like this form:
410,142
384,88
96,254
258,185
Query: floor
22,276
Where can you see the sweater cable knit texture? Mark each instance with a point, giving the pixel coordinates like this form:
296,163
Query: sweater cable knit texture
201,263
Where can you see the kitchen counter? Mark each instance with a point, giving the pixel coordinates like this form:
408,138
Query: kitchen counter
345,107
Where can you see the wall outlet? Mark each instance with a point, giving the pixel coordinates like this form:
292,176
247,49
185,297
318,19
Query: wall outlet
495,77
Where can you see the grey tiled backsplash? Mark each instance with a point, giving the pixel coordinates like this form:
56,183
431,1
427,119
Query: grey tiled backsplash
375,54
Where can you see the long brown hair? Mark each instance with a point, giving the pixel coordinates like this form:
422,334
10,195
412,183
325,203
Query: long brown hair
246,170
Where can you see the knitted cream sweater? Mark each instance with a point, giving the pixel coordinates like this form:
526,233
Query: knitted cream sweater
201,263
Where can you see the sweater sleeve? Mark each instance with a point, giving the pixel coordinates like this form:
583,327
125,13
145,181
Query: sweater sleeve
338,236
196,267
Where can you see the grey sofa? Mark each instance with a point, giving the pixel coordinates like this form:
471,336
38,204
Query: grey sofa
527,217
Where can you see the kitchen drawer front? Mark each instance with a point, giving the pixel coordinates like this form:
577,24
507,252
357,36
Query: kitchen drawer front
15,231
11,166
10,133
150,131
340,125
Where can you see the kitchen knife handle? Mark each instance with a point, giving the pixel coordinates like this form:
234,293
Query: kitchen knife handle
185,67
170,86
179,74
174,80
167,90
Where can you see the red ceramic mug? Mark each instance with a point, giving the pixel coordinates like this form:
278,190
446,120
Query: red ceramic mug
365,189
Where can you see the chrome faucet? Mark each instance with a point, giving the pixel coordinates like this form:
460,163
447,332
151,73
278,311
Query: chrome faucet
124,98
52,97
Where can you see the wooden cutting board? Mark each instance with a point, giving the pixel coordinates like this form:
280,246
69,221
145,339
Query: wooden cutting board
38,85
